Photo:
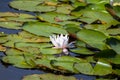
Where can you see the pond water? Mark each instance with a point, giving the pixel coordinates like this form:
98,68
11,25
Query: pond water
12,73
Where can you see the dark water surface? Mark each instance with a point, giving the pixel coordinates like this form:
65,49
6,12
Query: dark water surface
13,73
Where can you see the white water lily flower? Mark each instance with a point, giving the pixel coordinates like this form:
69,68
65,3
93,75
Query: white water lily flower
60,41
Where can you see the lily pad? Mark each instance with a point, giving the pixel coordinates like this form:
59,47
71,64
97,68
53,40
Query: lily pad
82,50
64,66
102,68
44,48
11,25
114,44
25,5
64,8
2,48
54,17
44,63
91,38
43,29
48,77
84,68
17,61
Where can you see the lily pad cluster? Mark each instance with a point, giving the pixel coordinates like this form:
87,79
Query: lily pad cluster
94,26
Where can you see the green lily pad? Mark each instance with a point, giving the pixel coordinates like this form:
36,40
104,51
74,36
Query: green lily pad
64,66
97,15
32,6
25,5
68,59
117,71
8,14
72,28
54,17
44,63
82,50
45,8
91,38
114,44
43,29
44,48
115,60
98,27
3,39
11,14
17,61
84,68
115,31
48,77
18,19
11,25
97,1
102,68
64,8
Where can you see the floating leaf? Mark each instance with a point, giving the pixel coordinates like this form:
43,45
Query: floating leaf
117,71
54,17
43,29
44,48
44,63
92,39
25,5
97,15
98,27
48,77
45,8
84,68
102,68
69,59
72,28
11,25
114,31
32,38
97,1
64,66
8,14
2,48
114,44
3,39
64,8
14,52
17,61
82,50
